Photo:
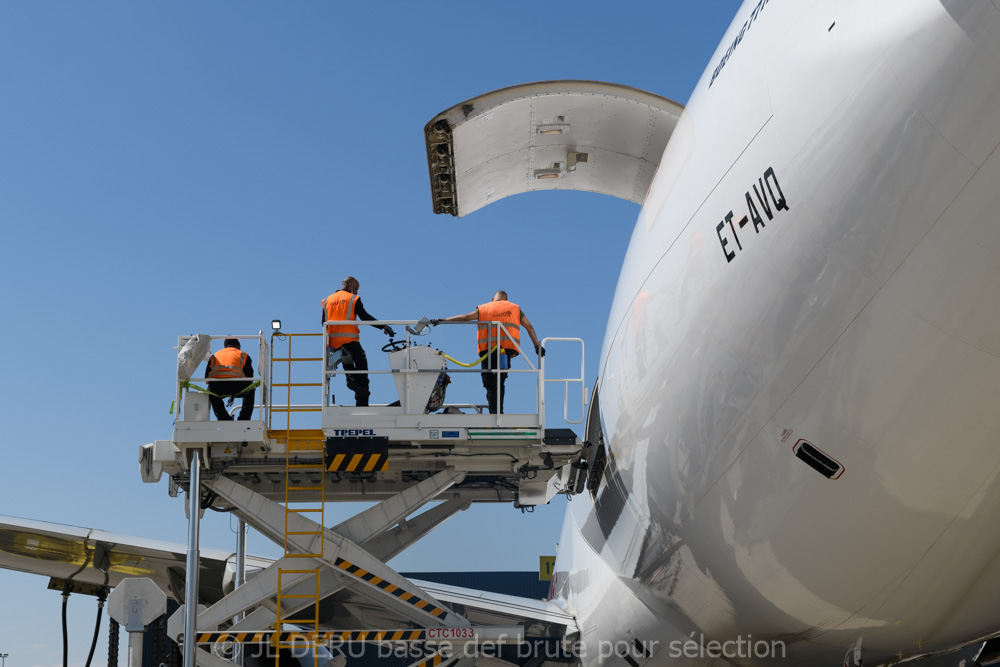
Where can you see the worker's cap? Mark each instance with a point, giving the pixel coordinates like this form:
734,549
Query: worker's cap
232,342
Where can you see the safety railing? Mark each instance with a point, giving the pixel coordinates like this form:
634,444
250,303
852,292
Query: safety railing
262,361
415,330
566,382
499,361
331,361
284,391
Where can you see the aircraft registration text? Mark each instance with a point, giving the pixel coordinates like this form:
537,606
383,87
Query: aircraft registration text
768,195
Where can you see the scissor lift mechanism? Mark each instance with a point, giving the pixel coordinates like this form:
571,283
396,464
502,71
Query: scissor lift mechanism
279,479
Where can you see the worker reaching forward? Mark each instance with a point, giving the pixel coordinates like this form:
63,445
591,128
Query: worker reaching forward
345,304
510,315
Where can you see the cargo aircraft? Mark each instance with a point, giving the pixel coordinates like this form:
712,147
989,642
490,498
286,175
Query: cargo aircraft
790,446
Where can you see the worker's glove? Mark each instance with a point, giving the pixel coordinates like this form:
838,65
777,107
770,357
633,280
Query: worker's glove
435,322
388,331
539,350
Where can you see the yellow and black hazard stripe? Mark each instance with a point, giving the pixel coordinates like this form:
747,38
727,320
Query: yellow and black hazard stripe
403,595
357,454
375,636
330,636
434,660
236,637
359,463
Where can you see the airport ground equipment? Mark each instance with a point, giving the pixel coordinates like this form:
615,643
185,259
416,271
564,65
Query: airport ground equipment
302,450
135,603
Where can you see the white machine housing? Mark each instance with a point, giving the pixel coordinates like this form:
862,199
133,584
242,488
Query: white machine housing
415,370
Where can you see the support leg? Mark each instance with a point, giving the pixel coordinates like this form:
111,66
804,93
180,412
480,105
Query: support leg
193,557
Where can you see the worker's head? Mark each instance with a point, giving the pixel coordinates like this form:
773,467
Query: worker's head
350,284
500,296
232,342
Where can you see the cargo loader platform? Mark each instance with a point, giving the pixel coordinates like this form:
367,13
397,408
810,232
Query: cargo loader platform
376,451
278,470
524,466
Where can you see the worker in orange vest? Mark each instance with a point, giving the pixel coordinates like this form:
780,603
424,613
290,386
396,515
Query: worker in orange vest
345,304
230,364
501,351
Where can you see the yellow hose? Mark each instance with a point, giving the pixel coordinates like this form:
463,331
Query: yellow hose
477,361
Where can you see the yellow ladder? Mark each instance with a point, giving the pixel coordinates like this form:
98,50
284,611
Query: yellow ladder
309,627
305,495
287,386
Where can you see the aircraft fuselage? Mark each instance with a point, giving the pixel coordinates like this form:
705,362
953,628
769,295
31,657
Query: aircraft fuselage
815,265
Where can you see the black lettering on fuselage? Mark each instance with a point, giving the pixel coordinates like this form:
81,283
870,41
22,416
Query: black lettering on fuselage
754,215
779,202
739,38
769,198
729,220
763,200
730,255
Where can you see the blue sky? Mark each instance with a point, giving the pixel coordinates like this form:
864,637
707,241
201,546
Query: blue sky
174,168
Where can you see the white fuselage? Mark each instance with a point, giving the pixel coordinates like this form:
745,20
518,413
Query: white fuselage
858,311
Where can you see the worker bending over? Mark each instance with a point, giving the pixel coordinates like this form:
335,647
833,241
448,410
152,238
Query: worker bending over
230,363
345,304
503,350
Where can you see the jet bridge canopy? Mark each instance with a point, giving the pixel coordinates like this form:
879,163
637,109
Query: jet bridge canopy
551,135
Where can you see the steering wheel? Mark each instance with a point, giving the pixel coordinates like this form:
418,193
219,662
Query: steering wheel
394,346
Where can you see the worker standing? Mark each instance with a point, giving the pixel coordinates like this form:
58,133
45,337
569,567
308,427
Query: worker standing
343,305
230,363
500,351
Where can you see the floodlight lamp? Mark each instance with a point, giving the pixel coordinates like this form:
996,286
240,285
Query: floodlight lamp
275,325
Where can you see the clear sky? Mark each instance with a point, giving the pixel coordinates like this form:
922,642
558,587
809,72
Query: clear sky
171,168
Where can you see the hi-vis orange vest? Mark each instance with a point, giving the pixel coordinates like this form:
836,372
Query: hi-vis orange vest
228,363
340,306
505,312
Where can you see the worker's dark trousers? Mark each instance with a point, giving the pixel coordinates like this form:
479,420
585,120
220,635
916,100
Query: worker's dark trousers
490,382
357,361
226,389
